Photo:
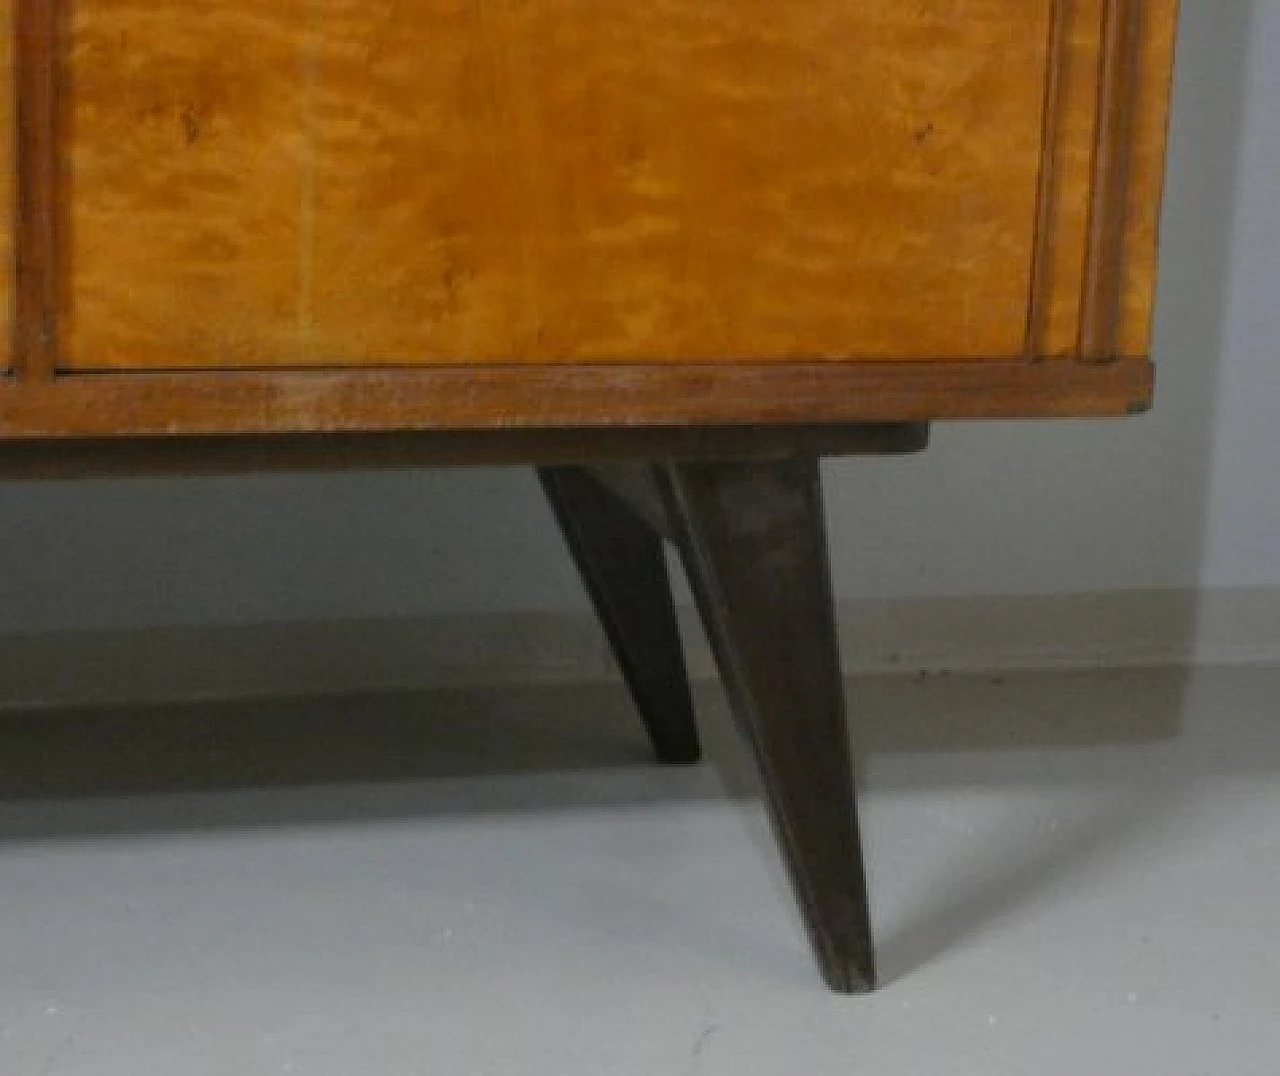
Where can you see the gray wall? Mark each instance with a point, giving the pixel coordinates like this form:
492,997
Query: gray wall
1186,497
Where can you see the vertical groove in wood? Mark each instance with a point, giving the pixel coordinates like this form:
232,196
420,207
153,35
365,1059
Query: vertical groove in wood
1042,250
35,229
1149,134
8,187
1104,264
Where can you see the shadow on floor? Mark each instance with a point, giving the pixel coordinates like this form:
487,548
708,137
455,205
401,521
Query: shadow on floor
545,749
1116,741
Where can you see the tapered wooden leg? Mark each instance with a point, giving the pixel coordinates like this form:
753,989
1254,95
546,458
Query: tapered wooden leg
623,565
753,541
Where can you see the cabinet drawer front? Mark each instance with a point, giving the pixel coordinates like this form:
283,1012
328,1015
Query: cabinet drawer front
356,182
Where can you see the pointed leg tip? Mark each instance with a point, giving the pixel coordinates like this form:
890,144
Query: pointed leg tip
849,980
848,973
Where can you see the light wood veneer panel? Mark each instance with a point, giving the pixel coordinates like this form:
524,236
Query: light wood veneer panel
285,182
183,214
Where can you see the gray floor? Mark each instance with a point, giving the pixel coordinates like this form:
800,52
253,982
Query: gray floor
1072,873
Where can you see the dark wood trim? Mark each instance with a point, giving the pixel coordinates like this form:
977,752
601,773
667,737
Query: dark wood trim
1118,81
1041,296
35,229
532,397
158,456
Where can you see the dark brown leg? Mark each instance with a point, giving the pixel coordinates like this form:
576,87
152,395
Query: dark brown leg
753,541
621,560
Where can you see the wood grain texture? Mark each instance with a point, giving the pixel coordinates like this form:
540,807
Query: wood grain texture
285,182
460,392
589,397
184,218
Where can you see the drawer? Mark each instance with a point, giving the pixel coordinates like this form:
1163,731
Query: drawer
356,183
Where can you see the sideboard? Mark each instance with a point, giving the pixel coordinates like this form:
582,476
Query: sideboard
670,252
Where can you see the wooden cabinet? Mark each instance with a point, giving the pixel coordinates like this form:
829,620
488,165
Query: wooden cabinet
271,215
716,238
287,183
